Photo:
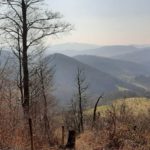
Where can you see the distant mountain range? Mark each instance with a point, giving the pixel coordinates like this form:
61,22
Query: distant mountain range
70,49
141,57
99,81
73,49
111,51
123,70
115,70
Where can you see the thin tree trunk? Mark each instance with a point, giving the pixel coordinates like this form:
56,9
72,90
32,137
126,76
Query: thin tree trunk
80,106
63,136
31,133
46,120
20,69
95,110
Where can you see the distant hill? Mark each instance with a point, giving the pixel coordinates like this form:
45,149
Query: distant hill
111,51
143,81
65,72
121,69
142,57
100,80
72,49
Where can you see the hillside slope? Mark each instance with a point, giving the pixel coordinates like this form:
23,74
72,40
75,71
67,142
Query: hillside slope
141,57
65,72
117,68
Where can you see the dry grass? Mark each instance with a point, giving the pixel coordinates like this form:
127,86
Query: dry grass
125,126
137,105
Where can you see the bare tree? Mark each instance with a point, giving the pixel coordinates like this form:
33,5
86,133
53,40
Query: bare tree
8,102
74,116
71,116
45,75
24,25
82,87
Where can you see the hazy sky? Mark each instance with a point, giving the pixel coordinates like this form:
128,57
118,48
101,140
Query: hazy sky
105,22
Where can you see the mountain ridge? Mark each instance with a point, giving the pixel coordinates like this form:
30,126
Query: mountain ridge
99,81
115,67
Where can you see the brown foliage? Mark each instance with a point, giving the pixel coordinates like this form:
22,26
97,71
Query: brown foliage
119,129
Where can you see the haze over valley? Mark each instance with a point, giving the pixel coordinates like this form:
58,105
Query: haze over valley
109,69
74,75
118,71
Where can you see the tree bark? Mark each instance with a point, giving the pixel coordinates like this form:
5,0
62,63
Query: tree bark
25,57
25,104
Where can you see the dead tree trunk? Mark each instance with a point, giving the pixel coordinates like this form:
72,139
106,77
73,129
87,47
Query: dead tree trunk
63,136
95,110
71,140
31,133
82,88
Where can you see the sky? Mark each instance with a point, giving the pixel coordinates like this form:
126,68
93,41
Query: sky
104,22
